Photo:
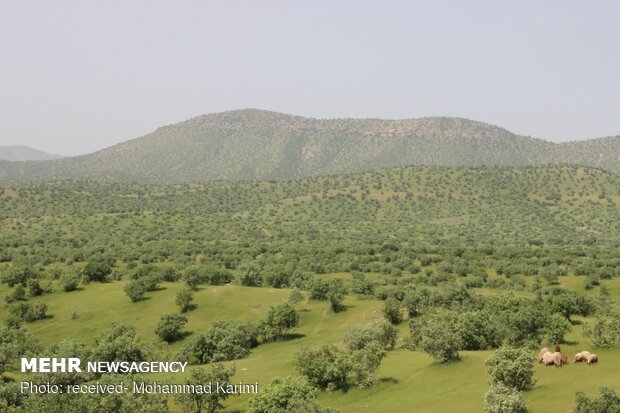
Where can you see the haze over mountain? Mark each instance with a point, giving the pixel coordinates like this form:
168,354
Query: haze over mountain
261,145
24,153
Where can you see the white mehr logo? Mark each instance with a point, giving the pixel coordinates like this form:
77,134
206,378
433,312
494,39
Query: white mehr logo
51,365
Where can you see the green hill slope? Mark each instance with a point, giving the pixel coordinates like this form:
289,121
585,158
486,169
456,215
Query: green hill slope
261,145
554,204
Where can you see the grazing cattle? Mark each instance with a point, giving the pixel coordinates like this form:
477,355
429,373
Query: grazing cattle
542,353
553,359
557,349
586,356
548,358
593,359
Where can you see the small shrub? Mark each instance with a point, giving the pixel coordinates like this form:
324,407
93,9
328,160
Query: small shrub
295,296
278,321
34,288
291,394
215,375
325,368
169,327
29,312
19,293
319,289
184,299
392,311
381,332
365,363
250,276
605,332
361,286
440,339
135,290
224,340
336,295
97,271
502,399
556,327
609,402
70,281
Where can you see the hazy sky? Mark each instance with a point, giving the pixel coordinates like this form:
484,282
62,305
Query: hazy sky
76,76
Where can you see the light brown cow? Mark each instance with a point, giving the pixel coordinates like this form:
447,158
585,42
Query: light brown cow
542,353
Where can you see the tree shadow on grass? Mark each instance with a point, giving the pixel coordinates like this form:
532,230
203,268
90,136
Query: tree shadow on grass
352,385
47,317
291,336
80,288
390,380
184,334
190,307
343,308
198,288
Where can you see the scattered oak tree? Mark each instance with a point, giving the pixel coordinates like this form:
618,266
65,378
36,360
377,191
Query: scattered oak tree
325,368
511,367
184,299
608,402
365,363
556,327
135,290
291,394
392,310
278,321
382,332
224,340
503,399
169,327
120,342
197,402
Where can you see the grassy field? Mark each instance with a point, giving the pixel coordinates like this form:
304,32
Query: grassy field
409,381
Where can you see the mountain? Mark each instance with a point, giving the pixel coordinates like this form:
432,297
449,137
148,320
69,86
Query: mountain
24,153
261,145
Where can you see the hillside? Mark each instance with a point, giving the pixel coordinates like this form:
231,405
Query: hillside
24,153
553,205
261,145
503,244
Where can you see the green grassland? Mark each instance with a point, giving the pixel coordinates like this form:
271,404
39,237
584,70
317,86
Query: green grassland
409,380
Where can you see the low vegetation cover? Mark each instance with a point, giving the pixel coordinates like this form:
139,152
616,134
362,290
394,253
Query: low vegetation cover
433,287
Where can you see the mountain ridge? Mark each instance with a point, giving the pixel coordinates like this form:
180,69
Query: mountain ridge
252,144
21,153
